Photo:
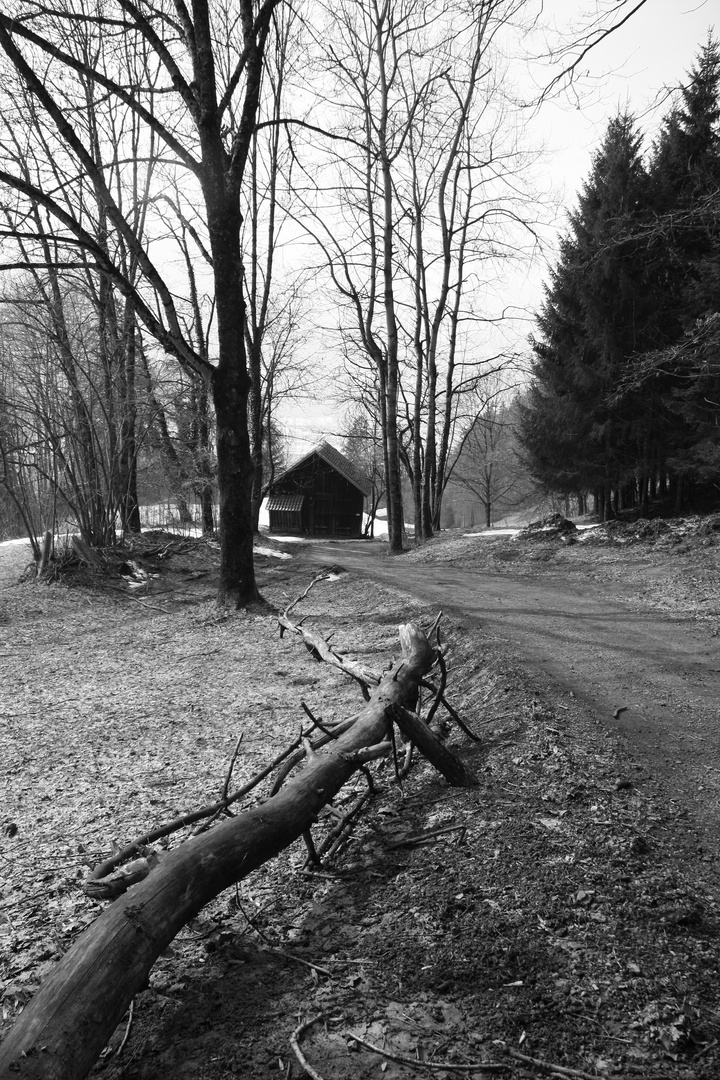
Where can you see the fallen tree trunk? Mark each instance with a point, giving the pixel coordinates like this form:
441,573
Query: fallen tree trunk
60,1034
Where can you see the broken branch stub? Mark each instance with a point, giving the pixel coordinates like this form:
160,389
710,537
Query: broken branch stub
416,730
61,1032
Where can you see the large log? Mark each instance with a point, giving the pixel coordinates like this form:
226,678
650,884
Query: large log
61,1033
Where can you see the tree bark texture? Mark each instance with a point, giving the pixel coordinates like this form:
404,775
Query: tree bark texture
60,1034
417,731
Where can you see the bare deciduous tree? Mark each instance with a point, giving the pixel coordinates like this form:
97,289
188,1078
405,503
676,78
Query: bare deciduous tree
203,121
427,186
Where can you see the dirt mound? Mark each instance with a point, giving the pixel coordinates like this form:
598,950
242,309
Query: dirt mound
695,531
551,527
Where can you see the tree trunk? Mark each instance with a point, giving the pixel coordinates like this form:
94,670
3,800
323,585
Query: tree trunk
62,1031
235,478
256,429
231,389
130,506
203,485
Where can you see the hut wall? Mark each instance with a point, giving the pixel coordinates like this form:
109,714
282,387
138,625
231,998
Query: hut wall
286,521
332,505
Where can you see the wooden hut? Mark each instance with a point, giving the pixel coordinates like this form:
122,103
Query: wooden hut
322,494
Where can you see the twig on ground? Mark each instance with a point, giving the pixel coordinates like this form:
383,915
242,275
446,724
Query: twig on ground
475,1066
295,1044
299,960
549,1067
126,1036
423,838
705,1049
129,596
247,918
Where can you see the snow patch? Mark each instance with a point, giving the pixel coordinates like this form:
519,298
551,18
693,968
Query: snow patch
493,532
271,551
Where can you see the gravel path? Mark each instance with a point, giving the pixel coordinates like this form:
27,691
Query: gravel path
587,622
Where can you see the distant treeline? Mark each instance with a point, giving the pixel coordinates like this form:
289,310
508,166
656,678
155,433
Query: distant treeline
624,404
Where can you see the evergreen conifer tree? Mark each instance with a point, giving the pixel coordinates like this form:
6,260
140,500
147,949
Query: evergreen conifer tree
684,367
595,316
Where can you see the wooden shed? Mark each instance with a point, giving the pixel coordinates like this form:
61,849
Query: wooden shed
322,494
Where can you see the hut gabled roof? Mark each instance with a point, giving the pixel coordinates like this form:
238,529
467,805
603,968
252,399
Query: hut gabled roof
337,461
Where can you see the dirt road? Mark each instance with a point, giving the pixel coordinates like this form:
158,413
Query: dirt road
654,679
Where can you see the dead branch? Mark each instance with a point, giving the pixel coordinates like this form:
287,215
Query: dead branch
342,826
427,837
126,1036
117,883
369,753
315,722
417,731
321,650
440,699
299,960
407,763
475,1066
318,577
549,1067
295,1043
440,692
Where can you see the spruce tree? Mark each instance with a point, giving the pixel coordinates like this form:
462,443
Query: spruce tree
684,368
595,316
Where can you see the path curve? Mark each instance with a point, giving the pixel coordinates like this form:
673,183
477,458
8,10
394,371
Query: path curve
663,673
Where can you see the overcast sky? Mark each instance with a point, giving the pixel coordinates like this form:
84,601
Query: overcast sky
633,68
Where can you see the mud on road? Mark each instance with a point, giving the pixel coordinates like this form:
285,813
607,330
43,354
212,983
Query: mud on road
630,630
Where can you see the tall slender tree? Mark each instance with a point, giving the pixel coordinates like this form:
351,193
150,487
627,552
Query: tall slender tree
429,176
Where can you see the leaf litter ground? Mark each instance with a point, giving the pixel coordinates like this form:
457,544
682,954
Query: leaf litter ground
562,909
